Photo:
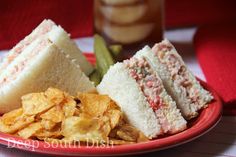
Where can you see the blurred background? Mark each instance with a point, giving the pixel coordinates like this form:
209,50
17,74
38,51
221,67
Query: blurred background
18,18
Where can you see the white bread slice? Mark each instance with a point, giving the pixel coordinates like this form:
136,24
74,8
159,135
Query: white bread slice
123,89
62,40
49,67
189,110
169,116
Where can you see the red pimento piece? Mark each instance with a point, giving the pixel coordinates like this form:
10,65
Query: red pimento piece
156,103
154,106
149,83
133,74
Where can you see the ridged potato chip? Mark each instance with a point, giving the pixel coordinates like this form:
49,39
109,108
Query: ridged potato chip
128,133
83,129
10,117
54,95
93,104
114,116
74,124
55,114
54,133
100,105
142,138
30,130
17,124
47,124
69,107
35,103
105,128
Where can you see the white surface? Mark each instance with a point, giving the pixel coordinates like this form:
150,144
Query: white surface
220,142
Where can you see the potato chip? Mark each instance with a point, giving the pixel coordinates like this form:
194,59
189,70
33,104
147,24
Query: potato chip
74,124
69,107
35,103
42,134
114,116
47,124
112,133
94,104
128,133
18,124
89,137
77,112
113,105
30,130
82,129
142,137
105,128
10,117
55,114
54,95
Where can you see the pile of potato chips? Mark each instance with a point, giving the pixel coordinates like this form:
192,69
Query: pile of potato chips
55,115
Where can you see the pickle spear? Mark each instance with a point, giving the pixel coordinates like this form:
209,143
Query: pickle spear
103,57
95,77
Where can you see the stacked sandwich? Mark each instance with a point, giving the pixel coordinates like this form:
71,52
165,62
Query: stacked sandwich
155,90
47,57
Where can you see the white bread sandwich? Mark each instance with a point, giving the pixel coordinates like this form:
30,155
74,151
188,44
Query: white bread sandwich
178,80
138,90
39,65
58,36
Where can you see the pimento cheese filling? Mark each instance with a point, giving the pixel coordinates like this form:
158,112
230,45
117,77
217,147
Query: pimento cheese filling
178,72
15,71
140,70
43,29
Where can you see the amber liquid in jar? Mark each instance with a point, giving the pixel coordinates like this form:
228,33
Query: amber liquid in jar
131,23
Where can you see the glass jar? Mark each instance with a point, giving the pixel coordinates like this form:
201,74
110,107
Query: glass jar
131,23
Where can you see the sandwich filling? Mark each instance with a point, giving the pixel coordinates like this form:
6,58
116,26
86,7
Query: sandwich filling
41,30
150,85
179,74
15,70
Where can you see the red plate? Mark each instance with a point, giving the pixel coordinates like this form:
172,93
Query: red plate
206,120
